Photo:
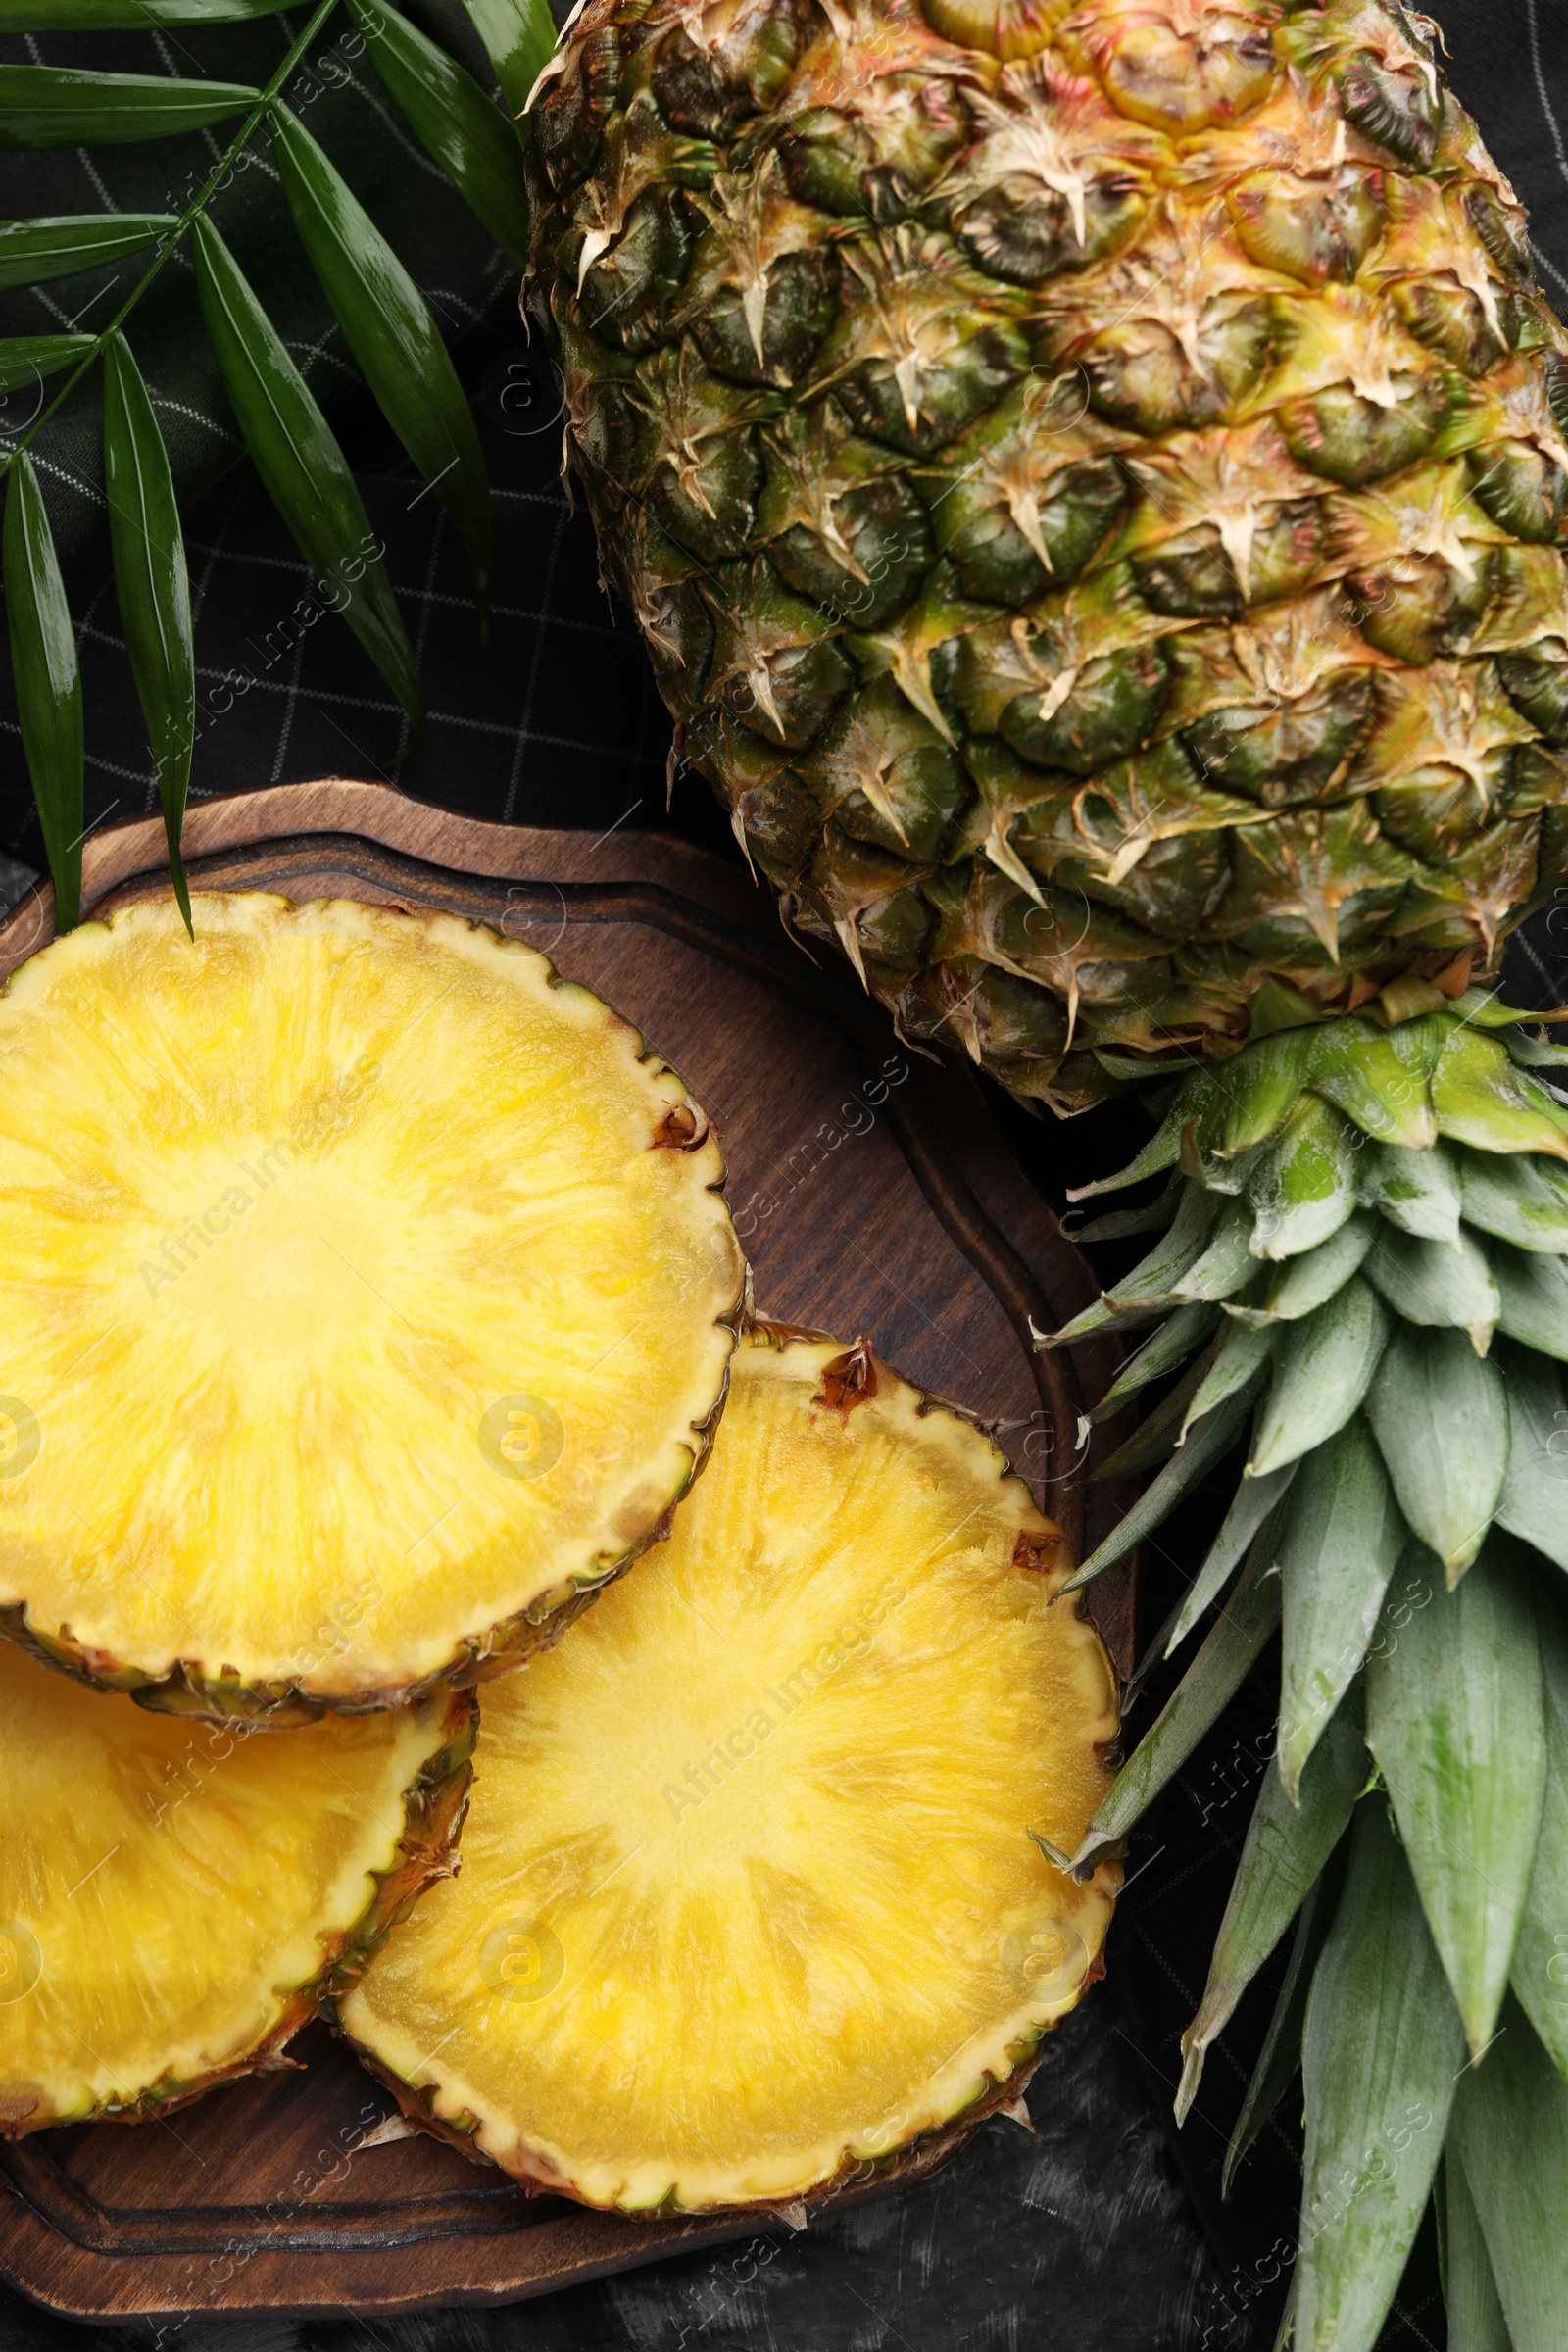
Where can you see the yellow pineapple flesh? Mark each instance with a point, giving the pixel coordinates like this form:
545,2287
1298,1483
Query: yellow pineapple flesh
367,1298
174,1896
750,1903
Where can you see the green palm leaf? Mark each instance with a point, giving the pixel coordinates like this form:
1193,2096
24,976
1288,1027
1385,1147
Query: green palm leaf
130,16
392,335
519,37
152,586
61,106
298,458
302,468
28,359
48,681
33,252
452,117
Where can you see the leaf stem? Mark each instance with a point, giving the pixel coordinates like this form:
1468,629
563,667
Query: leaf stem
192,212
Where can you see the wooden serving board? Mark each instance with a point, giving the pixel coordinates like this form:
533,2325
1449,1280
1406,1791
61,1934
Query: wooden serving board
873,1194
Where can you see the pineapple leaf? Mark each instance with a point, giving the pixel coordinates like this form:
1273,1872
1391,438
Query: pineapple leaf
1164,1147
1159,1434
1237,1364
1455,1718
61,106
1303,1189
1201,1697
1379,1078
1511,2140
1379,2049
1434,1284
1227,1264
1532,1296
393,337
1120,1224
1253,1500
1323,1367
28,359
1534,1504
130,16
1212,1438
1469,2289
1441,1416
298,458
1267,1086
1171,1345
1148,1287
1417,1191
1538,1974
1482,1100
1535,1052
48,680
1339,1546
1288,1839
34,252
1281,2053
1517,1198
519,39
152,586
451,116
1303,1284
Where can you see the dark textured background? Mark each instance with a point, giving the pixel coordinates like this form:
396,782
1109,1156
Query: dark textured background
1108,2234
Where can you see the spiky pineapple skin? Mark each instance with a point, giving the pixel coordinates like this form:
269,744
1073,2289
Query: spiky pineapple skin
1089,482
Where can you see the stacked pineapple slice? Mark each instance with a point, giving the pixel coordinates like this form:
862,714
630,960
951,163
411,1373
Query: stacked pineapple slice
374,1302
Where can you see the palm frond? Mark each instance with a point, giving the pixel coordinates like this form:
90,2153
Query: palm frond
385,320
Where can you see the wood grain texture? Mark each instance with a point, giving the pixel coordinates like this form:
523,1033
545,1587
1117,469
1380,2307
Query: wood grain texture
873,1194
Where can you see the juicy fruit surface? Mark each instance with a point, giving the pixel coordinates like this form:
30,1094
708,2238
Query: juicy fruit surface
167,1889
1093,484
363,1294
747,1893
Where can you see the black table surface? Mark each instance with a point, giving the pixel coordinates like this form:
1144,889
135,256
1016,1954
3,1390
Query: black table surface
1107,2233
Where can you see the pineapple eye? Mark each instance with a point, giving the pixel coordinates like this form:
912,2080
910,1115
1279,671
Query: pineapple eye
1006,29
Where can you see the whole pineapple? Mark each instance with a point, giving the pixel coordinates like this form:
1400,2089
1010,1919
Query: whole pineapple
1092,480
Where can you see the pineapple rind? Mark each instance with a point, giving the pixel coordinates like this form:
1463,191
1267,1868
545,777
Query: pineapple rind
667,2073
295,1213
1093,481
240,1876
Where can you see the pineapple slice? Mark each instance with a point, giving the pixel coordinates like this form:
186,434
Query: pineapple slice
365,1302
750,1901
174,1896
